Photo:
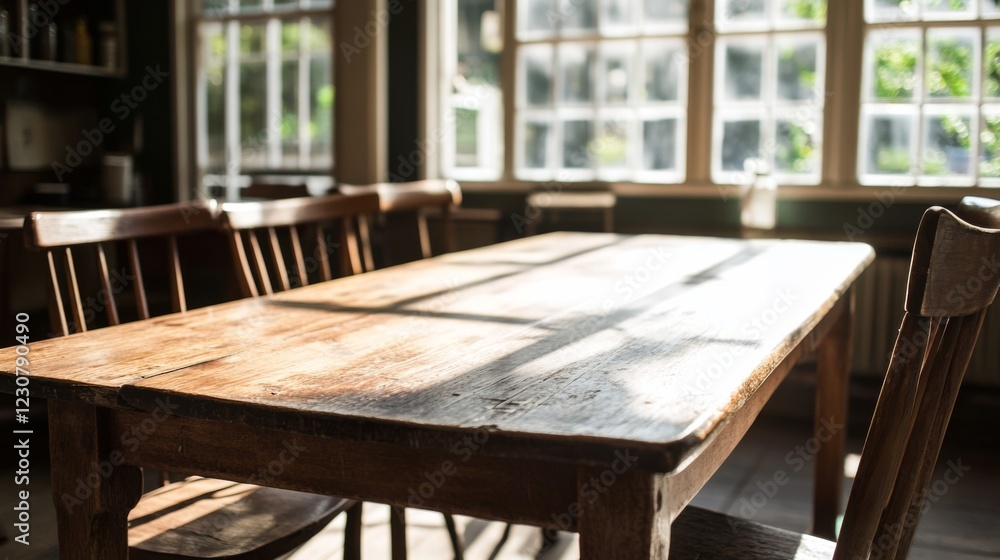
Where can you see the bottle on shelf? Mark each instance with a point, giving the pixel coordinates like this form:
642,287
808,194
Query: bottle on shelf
84,45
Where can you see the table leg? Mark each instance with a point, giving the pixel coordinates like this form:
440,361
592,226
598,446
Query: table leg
833,373
621,516
93,492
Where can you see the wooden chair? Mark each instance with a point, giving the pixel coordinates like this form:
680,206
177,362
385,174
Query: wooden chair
274,191
247,220
196,517
420,197
948,293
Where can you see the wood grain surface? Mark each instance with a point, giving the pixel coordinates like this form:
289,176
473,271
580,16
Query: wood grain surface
579,344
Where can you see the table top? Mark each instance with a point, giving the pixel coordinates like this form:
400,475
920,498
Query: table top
565,346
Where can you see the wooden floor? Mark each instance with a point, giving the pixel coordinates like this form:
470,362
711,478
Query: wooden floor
960,525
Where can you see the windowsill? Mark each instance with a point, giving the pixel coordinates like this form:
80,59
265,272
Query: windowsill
846,193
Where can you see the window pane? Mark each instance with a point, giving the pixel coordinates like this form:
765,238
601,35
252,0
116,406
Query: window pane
797,146
797,62
743,67
740,140
290,112
318,37
616,79
577,15
888,145
989,163
466,137
659,144
800,13
893,68
536,65
890,10
661,13
576,142
576,64
611,147
536,16
252,40
950,62
949,9
617,16
536,139
321,111
663,71
947,145
990,8
742,10
253,116
991,63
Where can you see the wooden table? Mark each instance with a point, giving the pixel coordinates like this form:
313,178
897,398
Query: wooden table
589,382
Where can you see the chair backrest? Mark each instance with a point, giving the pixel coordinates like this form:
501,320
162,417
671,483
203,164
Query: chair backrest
952,282
274,191
417,196
246,220
59,233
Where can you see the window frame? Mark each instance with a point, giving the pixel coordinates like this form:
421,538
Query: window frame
841,115
233,175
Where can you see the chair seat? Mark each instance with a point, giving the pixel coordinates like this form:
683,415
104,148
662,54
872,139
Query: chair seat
210,518
703,535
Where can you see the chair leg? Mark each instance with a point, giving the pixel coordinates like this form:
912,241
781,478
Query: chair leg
397,528
456,539
352,533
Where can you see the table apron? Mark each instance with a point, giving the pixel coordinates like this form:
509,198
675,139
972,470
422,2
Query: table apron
456,481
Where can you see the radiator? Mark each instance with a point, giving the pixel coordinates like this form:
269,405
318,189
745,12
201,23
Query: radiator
879,311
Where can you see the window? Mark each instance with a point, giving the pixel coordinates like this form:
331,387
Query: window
769,91
601,90
265,87
931,94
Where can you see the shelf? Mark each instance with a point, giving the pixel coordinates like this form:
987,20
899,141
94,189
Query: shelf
62,67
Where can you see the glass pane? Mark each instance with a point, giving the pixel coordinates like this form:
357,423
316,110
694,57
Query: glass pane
797,63
318,39
743,67
949,9
290,112
894,68
947,145
576,143
889,10
663,71
742,10
466,137
616,77
990,8
577,15
989,163
536,64
536,139
475,63
252,37
950,62
215,112
888,145
740,140
991,64
797,146
321,96
611,147
536,16
659,144
291,36
800,13
250,5
665,12
576,64
253,115
617,15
